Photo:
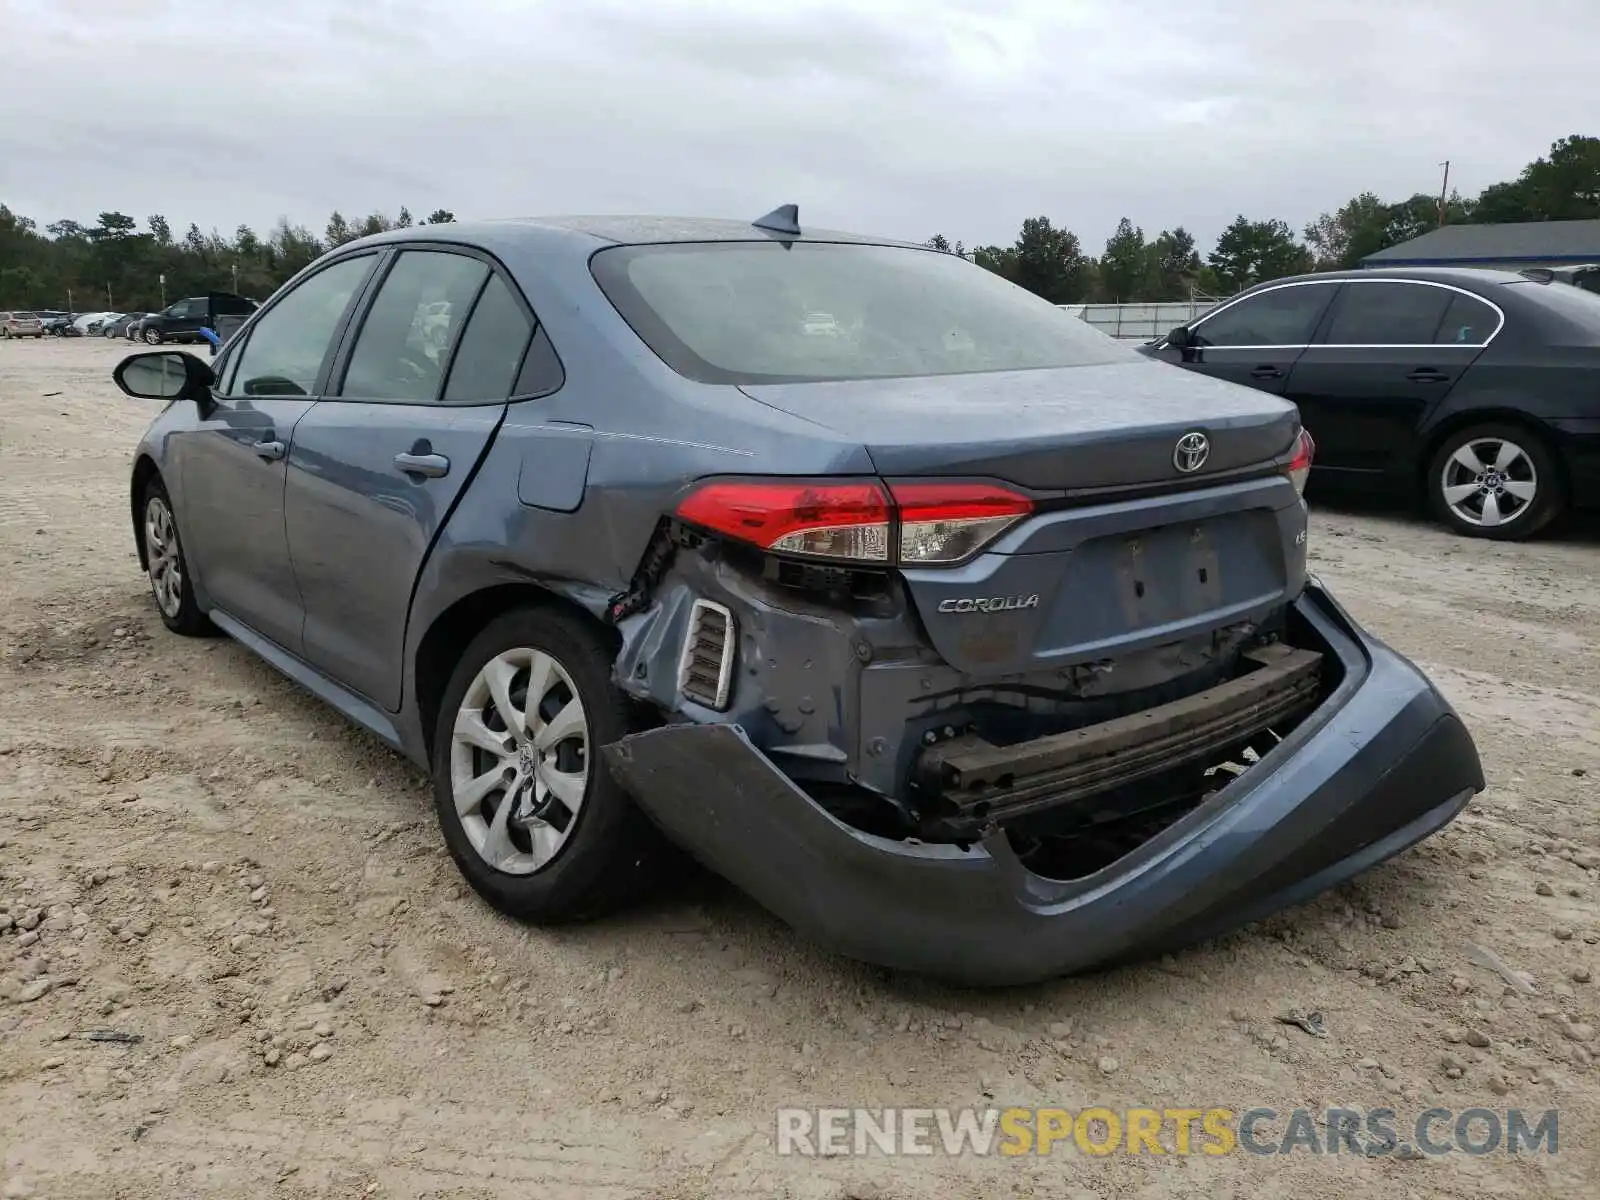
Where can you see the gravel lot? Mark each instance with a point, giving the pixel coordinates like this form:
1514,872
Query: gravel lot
195,852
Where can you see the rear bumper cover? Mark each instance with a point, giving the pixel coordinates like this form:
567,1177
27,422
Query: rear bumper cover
1382,764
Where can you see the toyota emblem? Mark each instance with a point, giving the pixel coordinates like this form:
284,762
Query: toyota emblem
1191,452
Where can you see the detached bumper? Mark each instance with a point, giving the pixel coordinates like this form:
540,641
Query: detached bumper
1382,764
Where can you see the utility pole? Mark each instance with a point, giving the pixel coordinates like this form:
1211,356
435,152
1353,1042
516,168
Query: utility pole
108,295
1444,190
69,300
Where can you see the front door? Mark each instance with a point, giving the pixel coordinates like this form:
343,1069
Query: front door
1389,353
232,467
1255,340
378,465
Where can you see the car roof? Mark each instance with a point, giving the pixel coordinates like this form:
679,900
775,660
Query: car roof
1472,278
585,234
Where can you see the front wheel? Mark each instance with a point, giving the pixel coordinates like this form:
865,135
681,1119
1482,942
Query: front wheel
167,567
528,810
152,337
1495,481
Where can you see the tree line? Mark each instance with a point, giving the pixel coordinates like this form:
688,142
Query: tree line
113,264
1051,261
70,264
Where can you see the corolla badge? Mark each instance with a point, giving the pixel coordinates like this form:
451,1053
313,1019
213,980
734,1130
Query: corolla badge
988,604
1191,452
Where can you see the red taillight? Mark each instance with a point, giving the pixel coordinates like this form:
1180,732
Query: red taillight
834,520
857,520
1300,465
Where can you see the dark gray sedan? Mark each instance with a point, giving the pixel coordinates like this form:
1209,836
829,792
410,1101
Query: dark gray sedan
966,639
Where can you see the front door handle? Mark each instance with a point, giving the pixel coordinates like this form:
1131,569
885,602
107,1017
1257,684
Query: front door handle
1428,375
1266,373
271,451
429,466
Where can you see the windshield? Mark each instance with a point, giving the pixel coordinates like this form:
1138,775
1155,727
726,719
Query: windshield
764,312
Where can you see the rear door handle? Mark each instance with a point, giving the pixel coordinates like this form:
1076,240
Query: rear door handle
429,466
1427,375
270,451
1266,373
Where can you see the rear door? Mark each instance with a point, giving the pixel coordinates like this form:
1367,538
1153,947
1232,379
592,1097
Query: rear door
1389,352
377,466
231,463
1257,339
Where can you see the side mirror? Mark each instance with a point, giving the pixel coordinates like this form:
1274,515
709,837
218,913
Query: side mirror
1179,337
164,375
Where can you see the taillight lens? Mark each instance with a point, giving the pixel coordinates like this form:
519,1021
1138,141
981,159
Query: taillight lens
831,520
1299,468
948,522
918,523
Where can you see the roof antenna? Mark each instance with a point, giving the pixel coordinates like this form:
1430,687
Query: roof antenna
784,219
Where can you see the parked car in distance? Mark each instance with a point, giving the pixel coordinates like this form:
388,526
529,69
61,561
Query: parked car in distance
21,325
991,656
1478,389
182,321
93,328
122,326
59,324
82,321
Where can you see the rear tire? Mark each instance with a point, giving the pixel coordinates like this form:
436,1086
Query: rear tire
1495,481
532,817
152,337
166,566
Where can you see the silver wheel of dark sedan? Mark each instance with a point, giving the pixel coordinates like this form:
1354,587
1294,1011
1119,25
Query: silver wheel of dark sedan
161,553
1489,482
519,760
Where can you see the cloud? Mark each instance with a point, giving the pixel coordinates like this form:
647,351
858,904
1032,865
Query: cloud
887,116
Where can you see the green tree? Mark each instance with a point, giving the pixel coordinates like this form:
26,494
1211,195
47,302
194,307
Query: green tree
1175,264
1049,262
938,242
440,216
1124,267
1250,252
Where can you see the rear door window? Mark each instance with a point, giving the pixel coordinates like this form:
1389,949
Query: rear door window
1467,321
1283,316
405,341
1387,314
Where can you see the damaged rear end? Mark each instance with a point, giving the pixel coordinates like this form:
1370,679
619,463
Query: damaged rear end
1050,687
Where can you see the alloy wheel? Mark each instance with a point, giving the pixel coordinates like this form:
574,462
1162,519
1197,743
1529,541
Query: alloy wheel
519,760
1489,482
152,337
161,552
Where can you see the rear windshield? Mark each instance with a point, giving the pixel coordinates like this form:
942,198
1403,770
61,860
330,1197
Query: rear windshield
26,316
763,312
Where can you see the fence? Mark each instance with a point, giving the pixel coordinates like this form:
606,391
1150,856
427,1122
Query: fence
1140,322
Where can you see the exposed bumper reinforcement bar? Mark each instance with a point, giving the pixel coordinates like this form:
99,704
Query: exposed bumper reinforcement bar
1380,764
976,780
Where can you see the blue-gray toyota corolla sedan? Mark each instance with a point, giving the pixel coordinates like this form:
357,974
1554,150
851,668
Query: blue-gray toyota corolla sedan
965,639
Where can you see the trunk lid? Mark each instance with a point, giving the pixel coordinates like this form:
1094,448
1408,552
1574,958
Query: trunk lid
1102,426
1088,583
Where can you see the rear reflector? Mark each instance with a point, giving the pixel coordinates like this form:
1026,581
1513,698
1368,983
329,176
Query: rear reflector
917,523
1300,465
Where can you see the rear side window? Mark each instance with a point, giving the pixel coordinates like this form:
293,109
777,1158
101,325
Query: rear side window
491,348
1387,314
1467,321
1284,316
405,341
763,311
288,344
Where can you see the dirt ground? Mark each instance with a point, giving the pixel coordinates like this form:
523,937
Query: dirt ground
197,854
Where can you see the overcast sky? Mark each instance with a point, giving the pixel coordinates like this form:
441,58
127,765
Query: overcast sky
900,117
